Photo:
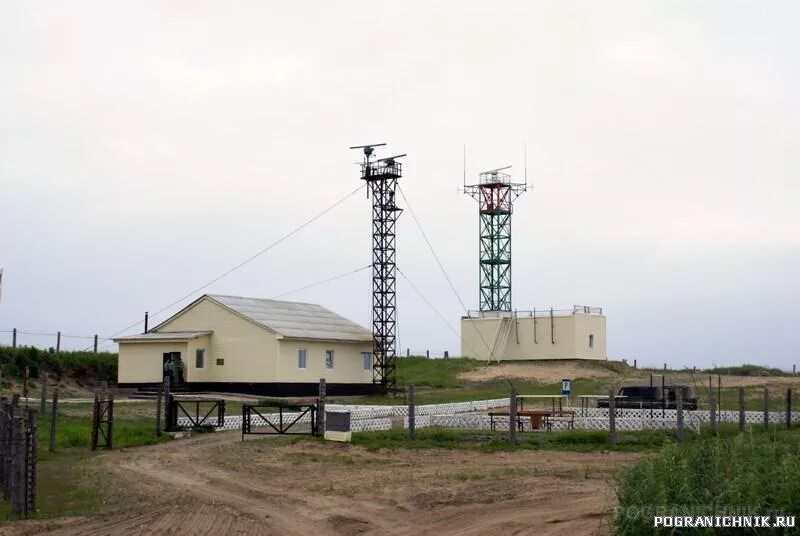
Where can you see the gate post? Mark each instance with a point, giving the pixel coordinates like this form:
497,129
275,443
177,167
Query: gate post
43,400
110,417
158,409
167,406
321,408
95,420
53,420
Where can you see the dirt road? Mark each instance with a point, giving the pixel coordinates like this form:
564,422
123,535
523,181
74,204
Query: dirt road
214,484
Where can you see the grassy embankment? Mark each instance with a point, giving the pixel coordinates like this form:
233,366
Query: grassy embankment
436,381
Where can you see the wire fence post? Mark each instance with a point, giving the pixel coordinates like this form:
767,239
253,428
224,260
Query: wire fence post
512,416
95,344
741,409
158,408
53,419
58,341
766,407
43,400
612,416
14,338
321,407
712,402
679,412
789,408
412,423
17,487
31,461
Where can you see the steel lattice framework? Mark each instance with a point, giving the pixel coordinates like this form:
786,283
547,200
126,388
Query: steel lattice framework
381,177
495,194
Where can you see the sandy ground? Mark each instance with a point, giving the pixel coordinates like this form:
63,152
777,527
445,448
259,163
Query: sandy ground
553,372
216,484
549,372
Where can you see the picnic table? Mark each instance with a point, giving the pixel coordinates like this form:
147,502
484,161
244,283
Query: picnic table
537,416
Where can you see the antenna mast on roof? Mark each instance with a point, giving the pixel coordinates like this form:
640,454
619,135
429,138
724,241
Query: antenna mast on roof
381,176
495,193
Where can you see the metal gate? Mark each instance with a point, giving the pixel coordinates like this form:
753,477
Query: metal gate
274,419
190,408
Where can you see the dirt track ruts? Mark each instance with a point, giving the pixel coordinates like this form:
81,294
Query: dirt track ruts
215,484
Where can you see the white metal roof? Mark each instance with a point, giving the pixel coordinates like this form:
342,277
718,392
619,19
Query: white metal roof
296,320
162,336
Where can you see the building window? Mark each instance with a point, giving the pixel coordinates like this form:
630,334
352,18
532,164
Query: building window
591,341
366,360
200,358
220,362
301,358
328,359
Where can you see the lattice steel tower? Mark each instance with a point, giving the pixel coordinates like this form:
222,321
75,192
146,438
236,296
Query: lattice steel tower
381,177
495,193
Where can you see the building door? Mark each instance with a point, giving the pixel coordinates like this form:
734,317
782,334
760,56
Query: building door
173,367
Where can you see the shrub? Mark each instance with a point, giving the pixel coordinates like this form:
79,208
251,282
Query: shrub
78,365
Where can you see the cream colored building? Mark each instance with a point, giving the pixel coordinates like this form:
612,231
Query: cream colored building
250,345
579,333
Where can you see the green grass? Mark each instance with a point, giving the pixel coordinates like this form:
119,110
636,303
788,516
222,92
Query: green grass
485,441
436,381
437,373
756,471
76,432
488,390
66,482
66,487
746,370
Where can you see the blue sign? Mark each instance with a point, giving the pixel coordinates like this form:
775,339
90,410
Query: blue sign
565,386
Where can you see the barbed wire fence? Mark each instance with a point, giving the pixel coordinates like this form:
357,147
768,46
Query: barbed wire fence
18,455
15,337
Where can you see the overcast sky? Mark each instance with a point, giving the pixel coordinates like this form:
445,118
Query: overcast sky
147,147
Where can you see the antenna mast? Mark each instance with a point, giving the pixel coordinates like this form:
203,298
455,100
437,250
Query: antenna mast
495,193
381,177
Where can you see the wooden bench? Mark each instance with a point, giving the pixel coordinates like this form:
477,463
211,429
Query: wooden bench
493,414
567,416
537,416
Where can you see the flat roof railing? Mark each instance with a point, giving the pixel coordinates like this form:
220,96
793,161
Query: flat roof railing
538,313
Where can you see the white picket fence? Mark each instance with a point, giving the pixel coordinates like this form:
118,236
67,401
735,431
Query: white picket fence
366,418
472,416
